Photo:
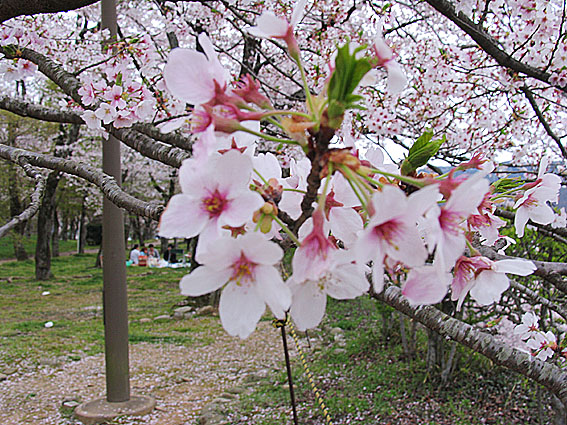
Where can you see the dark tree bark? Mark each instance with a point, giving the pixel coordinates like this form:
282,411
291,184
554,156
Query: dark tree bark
82,230
55,234
16,206
12,8
45,228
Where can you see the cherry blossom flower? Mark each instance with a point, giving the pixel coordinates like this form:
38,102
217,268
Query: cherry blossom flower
193,76
343,279
114,96
26,68
247,266
543,345
270,26
528,326
91,120
212,197
106,113
444,227
384,56
485,279
392,230
533,205
312,259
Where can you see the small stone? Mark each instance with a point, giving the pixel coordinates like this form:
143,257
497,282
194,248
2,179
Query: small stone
228,396
163,317
340,351
145,320
183,310
53,362
3,377
71,404
252,377
189,315
337,331
236,390
10,370
207,310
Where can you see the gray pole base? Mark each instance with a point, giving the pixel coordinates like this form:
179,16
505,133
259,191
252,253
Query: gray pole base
100,410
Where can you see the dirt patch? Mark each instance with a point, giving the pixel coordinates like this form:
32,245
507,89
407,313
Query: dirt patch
182,379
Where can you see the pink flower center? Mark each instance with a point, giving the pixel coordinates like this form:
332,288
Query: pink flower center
243,270
388,231
450,221
531,201
214,204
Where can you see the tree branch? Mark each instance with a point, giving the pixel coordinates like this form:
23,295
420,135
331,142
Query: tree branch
107,184
36,196
11,8
29,110
546,126
487,43
546,374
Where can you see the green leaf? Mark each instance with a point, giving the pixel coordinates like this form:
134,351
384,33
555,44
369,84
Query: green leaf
421,152
349,71
506,184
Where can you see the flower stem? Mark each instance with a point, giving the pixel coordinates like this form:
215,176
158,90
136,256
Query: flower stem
267,137
286,229
405,179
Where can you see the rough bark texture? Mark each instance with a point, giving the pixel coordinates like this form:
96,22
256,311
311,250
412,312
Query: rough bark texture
546,374
11,8
106,183
486,42
45,228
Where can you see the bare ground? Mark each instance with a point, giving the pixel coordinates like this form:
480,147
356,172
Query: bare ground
182,379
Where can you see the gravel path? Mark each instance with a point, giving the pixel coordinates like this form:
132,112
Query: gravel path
182,379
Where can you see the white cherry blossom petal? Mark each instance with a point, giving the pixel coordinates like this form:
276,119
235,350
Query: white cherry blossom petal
240,309
182,218
272,290
308,305
203,280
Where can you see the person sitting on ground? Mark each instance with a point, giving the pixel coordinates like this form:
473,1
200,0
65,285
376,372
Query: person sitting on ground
135,254
152,252
169,255
143,257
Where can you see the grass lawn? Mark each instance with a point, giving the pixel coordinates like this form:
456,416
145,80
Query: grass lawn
369,381
7,246
366,381
74,305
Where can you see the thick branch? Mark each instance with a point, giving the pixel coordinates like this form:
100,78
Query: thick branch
54,71
36,196
11,8
546,374
150,148
30,110
107,184
546,126
486,42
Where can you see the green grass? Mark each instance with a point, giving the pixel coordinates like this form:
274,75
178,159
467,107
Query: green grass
370,381
7,246
74,305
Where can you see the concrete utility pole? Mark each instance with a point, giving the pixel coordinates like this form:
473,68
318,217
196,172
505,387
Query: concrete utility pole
118,400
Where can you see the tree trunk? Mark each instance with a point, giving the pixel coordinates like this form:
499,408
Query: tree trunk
45,228
55,235
82,230
16,207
